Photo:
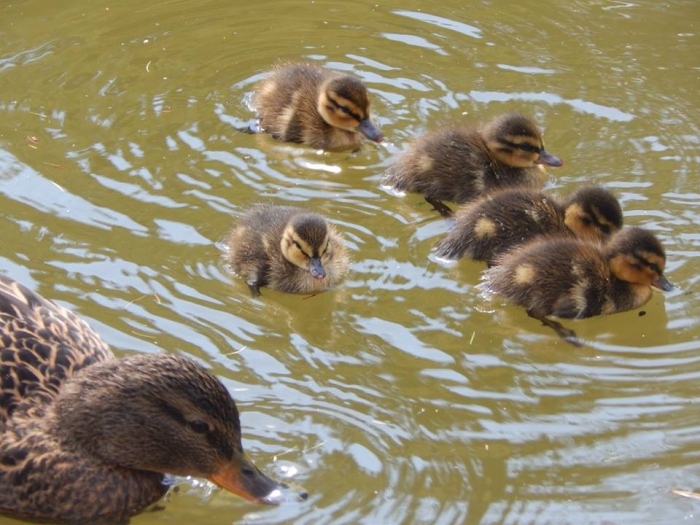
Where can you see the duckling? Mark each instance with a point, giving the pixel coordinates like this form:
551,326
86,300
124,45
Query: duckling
311,105
287,249
573,279
503,219
459,164
86,437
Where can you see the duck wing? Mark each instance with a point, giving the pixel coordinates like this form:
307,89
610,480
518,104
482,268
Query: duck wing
41,345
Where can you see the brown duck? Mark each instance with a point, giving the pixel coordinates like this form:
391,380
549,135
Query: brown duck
459,164
308,104
87,438
501,220
574,279
286,248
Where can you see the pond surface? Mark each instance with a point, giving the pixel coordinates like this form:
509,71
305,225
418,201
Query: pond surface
402,396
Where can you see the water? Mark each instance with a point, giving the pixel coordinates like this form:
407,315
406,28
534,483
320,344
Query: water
403,396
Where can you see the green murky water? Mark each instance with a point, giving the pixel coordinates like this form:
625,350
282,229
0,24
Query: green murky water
402,396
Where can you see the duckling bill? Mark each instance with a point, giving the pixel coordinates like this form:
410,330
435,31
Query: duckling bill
574,279
459,164
501,220
286,248
87,437
308,104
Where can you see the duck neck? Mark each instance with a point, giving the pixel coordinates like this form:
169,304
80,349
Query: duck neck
44,479
41,482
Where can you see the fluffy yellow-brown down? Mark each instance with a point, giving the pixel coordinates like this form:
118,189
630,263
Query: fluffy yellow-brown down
287,249
499,221
574,279
311,105
86,438
459,164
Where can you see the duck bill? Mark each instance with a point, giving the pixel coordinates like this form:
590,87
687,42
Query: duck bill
662,284
368,130
548,159
241,477
316,268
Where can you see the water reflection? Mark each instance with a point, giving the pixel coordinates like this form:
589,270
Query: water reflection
402,396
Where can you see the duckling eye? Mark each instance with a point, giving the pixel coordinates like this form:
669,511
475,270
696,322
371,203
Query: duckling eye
345,109
587,221
528,147
605,229
199,426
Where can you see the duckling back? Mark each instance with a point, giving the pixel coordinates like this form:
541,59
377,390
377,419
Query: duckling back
43,344
287,249
459,164
307,104
501,220
571,278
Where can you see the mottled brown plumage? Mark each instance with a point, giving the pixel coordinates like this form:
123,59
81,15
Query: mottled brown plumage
286,248
87,437
574,279
311,105
501,220
459,164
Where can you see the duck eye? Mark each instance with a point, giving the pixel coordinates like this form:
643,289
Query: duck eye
605,229
199,426
586,221
298,246
345,109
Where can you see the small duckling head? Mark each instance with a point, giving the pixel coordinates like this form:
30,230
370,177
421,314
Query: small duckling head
161,413
344,103
636,256
515,141
306,243
593,213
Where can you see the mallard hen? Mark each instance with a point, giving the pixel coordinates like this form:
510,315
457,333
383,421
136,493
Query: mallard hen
87,437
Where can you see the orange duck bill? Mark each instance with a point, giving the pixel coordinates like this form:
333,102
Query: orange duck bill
241,477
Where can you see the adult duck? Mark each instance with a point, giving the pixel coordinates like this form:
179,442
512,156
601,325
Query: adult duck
87,437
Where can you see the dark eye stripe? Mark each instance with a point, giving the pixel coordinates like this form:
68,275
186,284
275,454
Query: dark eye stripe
592,220
319,252
173,412
300,248
345,109
525,146
652,266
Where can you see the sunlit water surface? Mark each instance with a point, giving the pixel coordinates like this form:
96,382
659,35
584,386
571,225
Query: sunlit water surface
403,396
